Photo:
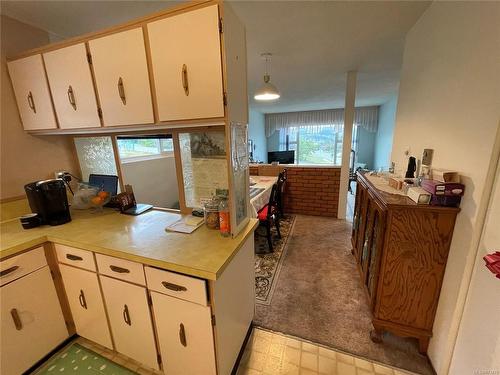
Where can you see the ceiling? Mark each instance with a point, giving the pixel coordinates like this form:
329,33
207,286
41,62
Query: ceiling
314,43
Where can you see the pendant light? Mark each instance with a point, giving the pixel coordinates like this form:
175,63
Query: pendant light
267,91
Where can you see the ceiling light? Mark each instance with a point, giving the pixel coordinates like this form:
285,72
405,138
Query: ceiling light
267,91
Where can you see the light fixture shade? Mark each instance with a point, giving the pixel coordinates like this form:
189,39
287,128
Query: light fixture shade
267,92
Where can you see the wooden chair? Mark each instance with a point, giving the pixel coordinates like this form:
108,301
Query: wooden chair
281,193
269,216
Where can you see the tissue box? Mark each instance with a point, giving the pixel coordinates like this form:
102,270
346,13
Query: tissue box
419,195
443,175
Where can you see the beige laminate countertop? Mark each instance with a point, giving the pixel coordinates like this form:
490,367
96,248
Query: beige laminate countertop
203,253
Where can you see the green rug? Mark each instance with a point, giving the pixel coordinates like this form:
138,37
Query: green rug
76,359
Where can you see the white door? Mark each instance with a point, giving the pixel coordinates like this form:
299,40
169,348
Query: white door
32,323
86,304
32,93
72,89
477,348
130,320
186,59
184,333
122,79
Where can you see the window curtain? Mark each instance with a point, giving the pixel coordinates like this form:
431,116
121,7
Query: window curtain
367,117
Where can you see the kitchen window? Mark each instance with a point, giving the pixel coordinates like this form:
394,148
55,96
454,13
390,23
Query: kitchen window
144,147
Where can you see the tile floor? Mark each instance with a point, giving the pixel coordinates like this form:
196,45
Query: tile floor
269,353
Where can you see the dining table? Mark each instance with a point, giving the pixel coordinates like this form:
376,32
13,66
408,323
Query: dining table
260,191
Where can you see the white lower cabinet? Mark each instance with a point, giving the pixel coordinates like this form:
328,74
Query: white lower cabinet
86,304
32,323
185,336
130,320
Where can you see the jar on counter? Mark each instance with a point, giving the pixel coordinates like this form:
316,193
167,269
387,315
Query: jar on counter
211,210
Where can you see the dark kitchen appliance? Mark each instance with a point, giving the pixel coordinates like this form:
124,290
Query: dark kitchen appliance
48,199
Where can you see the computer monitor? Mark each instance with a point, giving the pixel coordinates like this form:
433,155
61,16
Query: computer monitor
282,157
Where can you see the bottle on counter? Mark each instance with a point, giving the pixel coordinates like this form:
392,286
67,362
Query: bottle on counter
224,222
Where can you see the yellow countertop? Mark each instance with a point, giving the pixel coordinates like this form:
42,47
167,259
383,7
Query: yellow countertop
203,253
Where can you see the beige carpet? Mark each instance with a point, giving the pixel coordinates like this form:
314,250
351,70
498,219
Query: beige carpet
318,297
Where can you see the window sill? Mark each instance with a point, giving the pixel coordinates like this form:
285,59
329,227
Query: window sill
139,159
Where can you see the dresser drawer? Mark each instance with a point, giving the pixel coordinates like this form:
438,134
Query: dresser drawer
20,265
75,257
180,286
121,269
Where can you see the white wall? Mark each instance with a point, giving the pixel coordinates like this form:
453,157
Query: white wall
478,343
449,100
154,181
256,132
385,133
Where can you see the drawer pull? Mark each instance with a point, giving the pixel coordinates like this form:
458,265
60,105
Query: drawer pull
174,287
185,80
83,301
31,102
182,335
8,270
121,91
71,97
73,257
126,315
119,269
16,319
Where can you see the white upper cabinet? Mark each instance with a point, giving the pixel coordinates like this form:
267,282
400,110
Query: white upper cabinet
32,93
122,79
70,80
187,68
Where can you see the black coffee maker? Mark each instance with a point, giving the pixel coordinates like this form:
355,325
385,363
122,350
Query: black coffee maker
48,199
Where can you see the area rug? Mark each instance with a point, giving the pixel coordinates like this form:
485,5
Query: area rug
76,359
268,266
318,297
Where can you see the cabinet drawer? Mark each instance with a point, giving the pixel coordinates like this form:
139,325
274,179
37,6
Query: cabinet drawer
20,265
75,257
121,269
180,286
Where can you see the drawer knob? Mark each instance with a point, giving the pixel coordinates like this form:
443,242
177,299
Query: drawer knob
174,287
182,335
8,270
126,315
83,301
16,319
119,269
73,257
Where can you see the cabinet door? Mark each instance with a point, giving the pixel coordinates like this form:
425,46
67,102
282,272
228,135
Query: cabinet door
72,89
32,323
186,59
376,246
122,79
130,320
86,304
32,93
184,332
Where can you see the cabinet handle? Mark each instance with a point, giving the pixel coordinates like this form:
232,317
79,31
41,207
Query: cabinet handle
16,319
83,301
31,102
182,335
71,97
126,315
185,80
121,91
8,270
174,287
73,257
119,269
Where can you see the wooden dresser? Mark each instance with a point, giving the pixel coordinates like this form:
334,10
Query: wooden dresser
401,250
